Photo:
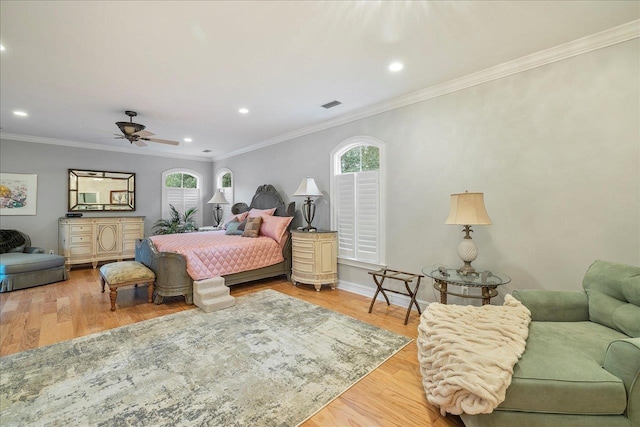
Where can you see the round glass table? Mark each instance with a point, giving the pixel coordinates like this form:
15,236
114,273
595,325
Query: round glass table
487,281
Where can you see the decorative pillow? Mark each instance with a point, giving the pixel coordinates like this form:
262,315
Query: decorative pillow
275,226
261,212
252,228
240,217
232,228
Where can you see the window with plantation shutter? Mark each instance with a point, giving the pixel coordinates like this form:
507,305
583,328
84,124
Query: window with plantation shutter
224,183
357,211
181,189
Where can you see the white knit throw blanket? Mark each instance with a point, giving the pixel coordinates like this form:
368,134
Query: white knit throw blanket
467,353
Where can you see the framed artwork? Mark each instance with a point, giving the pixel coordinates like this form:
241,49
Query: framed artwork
18,193
119,197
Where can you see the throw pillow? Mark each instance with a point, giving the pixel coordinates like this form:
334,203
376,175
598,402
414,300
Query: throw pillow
261,212
275,226
240,217
232,228
252,228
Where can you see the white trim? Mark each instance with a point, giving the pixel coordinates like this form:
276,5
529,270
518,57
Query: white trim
368,291
612,36
90,146
369,266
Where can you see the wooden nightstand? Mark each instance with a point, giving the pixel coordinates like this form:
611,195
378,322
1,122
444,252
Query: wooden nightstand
315,258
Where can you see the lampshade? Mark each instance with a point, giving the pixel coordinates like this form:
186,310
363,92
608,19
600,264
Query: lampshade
468,209
308,188
218,198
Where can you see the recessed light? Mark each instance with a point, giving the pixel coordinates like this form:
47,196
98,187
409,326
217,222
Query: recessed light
20,113
187,140
396,66
243,111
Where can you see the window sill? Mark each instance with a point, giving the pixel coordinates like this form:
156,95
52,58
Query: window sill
361,264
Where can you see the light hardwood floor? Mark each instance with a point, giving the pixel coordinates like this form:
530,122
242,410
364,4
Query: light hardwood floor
392,395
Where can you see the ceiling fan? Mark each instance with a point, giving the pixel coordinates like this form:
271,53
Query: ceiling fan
135,133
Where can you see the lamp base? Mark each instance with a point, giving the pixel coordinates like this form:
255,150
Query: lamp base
466,269
467,252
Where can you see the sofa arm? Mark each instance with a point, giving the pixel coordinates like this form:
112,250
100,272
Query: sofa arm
33,250
555,306
623,360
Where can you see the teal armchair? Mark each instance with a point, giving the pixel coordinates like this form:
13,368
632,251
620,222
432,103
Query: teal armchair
581,365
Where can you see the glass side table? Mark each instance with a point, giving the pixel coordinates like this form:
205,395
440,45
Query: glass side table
487,281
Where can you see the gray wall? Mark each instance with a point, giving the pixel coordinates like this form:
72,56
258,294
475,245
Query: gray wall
555,149
51,162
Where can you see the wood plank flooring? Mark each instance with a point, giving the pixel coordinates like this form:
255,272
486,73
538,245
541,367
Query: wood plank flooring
392,395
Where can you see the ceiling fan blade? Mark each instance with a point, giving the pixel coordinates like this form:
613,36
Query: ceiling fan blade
144,133
139,143
162,141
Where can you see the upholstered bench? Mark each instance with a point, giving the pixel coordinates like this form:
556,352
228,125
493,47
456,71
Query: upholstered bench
125,273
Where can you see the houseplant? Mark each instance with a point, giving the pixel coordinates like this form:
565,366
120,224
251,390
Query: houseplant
177,223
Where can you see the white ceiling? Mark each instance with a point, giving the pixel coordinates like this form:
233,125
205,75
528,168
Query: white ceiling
186,67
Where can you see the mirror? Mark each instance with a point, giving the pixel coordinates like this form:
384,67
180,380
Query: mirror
101,191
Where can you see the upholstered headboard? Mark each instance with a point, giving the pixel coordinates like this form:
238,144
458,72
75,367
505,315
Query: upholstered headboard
266,197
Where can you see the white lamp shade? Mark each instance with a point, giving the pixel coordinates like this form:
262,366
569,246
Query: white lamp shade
468,209
308,188
218,198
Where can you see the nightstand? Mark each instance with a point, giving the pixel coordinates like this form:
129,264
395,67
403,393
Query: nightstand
315,258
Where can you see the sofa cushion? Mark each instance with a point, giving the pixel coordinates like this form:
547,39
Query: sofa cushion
14,262
614,293
561,371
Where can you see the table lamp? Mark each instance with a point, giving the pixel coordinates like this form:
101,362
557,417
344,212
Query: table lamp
467,209
308,189
218,199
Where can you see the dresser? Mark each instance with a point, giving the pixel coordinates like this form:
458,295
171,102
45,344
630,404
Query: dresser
84,240
315,258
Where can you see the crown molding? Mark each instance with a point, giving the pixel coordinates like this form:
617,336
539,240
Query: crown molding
612,36
89,146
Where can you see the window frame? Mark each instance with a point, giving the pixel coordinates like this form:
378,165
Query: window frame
335,166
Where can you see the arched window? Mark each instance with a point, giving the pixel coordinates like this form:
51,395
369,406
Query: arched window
357,191
181,188
224,183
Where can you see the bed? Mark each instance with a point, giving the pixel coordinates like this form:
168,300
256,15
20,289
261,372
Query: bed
172,268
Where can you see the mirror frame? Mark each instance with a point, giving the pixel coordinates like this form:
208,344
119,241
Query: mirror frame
129,204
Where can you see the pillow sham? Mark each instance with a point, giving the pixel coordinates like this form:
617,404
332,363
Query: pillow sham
261,212
252,227
275,226
239,217
232,228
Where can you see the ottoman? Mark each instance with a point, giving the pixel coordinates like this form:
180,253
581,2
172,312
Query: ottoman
125,273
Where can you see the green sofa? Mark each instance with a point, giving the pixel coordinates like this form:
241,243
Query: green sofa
581,364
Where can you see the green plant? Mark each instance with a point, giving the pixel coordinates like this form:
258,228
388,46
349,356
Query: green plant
176,223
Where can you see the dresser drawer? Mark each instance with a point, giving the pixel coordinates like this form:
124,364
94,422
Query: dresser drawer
86,250
81,229
303,244
79,239
303,267
132,227
302,255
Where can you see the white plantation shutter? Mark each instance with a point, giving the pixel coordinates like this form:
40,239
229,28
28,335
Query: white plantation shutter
345,215
367,216
181,199
358,216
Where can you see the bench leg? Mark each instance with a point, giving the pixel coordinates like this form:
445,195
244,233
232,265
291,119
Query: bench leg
113,295
102,283
150,292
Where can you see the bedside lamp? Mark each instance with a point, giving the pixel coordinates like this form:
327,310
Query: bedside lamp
218,199
467,209
308,189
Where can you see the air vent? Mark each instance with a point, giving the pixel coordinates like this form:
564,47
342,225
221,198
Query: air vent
331,104
206,151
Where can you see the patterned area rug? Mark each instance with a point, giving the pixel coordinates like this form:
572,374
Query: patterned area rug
270,360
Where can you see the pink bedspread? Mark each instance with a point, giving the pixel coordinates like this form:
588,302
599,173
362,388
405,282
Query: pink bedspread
212,253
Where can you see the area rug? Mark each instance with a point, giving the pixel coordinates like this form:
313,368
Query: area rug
270,360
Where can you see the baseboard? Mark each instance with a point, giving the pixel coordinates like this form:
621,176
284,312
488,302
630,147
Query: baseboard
368,291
